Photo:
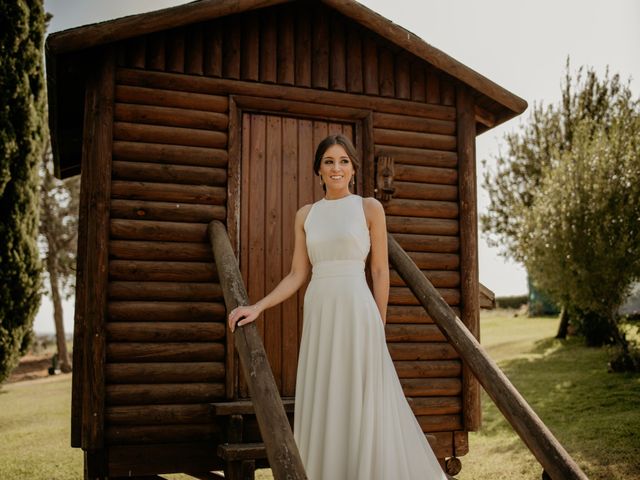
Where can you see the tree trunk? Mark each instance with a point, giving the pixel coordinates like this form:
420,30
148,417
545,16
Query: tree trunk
564,324
61,340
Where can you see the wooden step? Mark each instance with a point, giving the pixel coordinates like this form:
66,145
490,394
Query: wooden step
242,451
245,407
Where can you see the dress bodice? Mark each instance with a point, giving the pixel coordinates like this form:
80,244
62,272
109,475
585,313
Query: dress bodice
337,230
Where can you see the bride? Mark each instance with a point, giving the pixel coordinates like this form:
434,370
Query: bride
352,420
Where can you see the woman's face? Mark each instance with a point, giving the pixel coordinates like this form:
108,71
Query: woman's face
336,169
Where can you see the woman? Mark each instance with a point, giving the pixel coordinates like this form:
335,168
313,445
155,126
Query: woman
352,420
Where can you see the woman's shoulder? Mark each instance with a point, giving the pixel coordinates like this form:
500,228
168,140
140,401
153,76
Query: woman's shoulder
372,204
303,212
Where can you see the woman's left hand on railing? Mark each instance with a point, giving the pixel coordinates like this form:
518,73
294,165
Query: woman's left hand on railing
243,314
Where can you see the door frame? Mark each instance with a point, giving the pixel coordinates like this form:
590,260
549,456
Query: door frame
240,104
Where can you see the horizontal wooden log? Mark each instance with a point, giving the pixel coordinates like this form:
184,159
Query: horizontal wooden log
170,393
158,231
404,296
427,370
189,83
246,407
409,314
174,154
182,414
411,123
166,311
181,372
428,243
170,117
402,138
164,251
431,386
418,173
418,156
422,351
435,261
426,226
436,423
193,292
413,333
133,460
166,173
425,191
169,192
172,98
155,271
165,331
191,137
165,211
422,208
439,278
435,405
298,108
164,352
149,434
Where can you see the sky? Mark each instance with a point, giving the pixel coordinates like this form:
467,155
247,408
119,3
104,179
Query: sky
520,45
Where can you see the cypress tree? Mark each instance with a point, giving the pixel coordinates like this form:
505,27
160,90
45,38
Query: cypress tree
22,132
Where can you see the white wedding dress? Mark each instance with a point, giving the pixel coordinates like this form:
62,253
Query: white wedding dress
352,420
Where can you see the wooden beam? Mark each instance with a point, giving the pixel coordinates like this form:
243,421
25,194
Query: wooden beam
468,217
276,432
538,438
97,145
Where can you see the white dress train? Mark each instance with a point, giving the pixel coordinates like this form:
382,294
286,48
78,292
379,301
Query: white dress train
352,420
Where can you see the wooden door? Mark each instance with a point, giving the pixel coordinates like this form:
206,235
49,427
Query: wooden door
276,180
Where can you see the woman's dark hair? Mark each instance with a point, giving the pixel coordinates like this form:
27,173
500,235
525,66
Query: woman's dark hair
345,143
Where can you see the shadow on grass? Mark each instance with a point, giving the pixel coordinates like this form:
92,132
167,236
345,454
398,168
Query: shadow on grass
592,413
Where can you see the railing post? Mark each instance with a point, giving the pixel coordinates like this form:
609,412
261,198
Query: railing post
282,450
544,446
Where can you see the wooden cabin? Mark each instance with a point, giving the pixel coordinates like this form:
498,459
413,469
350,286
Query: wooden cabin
212,110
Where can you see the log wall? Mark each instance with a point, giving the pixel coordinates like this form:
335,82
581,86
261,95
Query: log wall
165,333
170,173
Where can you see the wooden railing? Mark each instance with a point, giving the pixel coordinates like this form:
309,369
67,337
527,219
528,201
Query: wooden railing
552,456
282,450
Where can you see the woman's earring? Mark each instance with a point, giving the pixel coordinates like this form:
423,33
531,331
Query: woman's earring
353,180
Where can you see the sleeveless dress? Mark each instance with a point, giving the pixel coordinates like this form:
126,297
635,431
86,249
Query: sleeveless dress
352,420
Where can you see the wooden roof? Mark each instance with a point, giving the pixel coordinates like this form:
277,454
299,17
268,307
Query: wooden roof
84,37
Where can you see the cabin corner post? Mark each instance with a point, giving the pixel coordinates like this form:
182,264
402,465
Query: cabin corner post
97,151
469,271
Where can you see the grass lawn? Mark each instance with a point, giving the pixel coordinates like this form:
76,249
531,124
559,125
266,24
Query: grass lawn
594,414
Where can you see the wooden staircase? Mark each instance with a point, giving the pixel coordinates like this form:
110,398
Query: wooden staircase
270,410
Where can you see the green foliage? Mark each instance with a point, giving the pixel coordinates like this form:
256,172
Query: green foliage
22,122
565,201
581,235
514,185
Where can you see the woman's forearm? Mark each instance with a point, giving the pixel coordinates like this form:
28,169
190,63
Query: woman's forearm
287,287
381,291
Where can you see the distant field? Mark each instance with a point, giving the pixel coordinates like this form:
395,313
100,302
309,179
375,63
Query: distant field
594,414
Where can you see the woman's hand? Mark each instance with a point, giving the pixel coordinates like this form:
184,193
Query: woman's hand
249,312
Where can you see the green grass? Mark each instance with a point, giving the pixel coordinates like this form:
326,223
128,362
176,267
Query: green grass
594,414
35,431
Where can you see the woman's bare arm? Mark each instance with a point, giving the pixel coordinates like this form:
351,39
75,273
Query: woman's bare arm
379,254
291,283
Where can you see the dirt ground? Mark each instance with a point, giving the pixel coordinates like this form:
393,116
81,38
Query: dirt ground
31,367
